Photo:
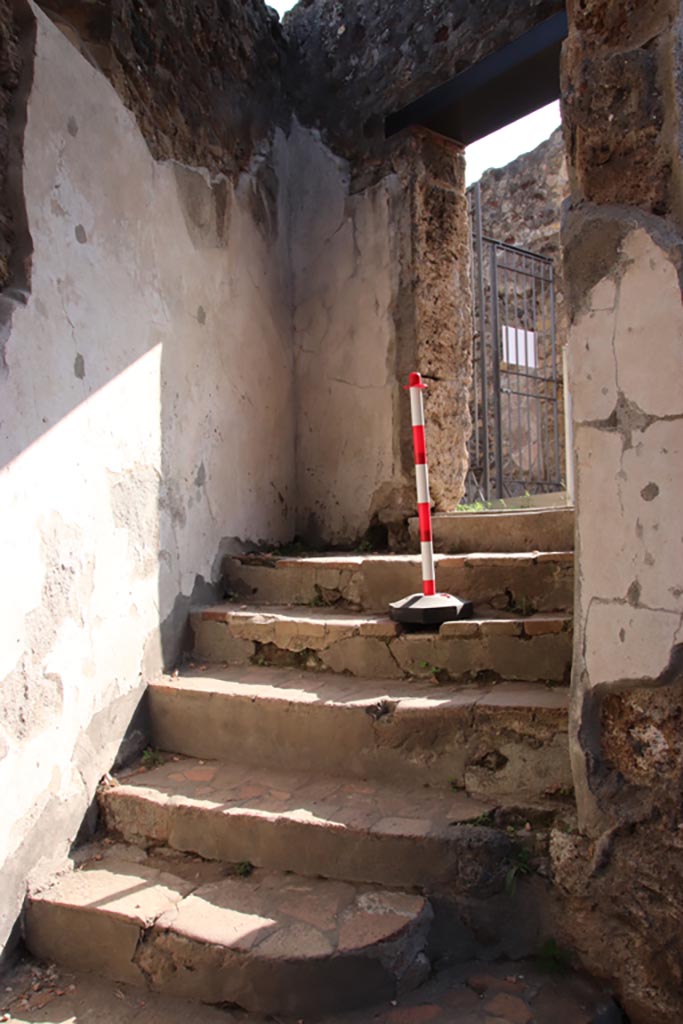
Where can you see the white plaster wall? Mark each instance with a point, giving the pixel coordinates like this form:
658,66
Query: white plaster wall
626,350
625,371
345,273
145,415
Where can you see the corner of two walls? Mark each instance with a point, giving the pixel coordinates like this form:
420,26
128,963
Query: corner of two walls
380,262
147,426
345,279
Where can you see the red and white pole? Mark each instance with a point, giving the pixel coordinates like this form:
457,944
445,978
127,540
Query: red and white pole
427,608
424,509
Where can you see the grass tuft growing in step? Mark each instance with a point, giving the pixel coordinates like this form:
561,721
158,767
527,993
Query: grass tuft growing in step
151,758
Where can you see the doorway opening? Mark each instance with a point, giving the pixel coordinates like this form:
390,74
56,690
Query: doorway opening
516,449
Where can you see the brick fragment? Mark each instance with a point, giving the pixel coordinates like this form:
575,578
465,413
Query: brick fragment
511,1009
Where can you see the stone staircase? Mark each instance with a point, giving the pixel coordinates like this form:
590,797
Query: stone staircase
340,802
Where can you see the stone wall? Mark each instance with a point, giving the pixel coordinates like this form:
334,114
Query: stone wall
521,205
344,251
203,78
370,58
146,426
381,284
15,38
622,239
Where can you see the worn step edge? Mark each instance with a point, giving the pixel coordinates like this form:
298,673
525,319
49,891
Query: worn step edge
270,943
539,580
257,621
494,741
502,530
351,560
423,839
535,647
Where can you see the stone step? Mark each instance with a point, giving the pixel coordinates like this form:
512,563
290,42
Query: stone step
504,741
538,647
531,581
548,529
270,942
313,824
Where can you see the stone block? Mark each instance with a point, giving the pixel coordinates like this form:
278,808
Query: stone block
362,656
623,643
218,644
614,116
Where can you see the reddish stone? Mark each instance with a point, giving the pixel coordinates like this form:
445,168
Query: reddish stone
248,791
200,774
365,928
461,999
511,1008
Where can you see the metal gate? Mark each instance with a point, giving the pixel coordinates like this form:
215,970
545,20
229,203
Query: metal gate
515,445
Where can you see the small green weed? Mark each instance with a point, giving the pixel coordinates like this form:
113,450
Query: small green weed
244,868
484,820
553,959
151,758
519,864
523,607
480,506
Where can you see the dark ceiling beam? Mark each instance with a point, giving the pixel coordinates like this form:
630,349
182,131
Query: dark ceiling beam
498,90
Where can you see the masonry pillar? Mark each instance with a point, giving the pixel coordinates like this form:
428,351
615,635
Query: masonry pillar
623,259
433,314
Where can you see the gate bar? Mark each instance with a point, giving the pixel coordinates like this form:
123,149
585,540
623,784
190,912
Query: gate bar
495,324
482,342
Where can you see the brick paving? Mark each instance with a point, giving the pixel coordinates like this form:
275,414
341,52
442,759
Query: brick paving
475,993
405,810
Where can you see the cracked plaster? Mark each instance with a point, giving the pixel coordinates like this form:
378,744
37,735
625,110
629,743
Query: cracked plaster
629,412
622,247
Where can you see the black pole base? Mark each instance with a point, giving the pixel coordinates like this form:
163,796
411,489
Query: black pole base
418,610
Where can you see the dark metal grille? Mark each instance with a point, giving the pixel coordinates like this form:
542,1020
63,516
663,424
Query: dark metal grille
515,443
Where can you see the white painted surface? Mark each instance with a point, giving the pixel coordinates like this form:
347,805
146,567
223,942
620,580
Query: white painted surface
625,357
145,414
345,285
